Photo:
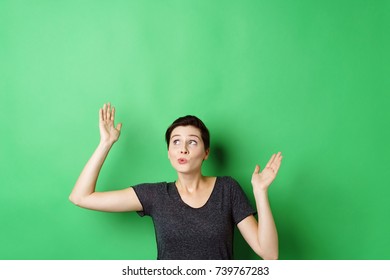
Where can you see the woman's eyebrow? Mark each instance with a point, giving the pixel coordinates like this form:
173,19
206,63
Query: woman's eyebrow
193,135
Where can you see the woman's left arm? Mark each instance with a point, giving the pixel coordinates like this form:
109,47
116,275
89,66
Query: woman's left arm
262,235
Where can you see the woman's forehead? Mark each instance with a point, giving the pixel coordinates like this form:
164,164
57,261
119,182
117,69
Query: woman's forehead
187,130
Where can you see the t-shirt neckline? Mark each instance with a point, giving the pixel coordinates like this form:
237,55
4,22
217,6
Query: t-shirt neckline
189,206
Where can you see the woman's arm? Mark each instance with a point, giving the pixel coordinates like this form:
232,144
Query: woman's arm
262,235
83,193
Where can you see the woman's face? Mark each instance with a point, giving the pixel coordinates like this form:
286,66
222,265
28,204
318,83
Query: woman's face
186,149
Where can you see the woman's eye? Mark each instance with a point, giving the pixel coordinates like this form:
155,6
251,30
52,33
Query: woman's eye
193,142
175,142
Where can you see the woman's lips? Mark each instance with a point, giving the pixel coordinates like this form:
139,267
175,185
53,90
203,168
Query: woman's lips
182,161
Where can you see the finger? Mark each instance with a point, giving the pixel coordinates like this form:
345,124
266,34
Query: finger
257,169
277,158
108,113
119,127
104,111
275,168
270,161
101,114
277,163
113,113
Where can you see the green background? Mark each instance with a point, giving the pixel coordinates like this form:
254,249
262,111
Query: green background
308,78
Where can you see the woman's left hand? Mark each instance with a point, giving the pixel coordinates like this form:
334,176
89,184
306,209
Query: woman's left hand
262,180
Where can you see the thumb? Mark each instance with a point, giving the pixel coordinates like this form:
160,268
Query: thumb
119,126
257,169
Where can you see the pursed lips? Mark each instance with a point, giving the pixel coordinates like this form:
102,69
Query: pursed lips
182,161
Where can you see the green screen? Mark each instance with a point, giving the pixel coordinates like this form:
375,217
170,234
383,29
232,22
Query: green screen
308,78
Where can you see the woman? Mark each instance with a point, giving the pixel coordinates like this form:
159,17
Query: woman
195,216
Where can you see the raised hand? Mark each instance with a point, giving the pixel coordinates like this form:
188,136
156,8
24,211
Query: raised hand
109,134
263,179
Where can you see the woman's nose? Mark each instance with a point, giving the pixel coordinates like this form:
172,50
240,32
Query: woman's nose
184,150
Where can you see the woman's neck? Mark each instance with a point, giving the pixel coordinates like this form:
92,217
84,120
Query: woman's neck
190,183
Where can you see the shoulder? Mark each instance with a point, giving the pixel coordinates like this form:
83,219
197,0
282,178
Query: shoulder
228,181
231,186
151,185
150,188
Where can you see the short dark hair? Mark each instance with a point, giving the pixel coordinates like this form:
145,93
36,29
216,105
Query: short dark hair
192,121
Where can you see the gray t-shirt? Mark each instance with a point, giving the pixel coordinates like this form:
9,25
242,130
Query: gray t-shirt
183,232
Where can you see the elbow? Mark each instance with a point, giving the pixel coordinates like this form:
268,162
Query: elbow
271,257
74,200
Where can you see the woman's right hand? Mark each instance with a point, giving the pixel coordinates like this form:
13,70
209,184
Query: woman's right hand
109,134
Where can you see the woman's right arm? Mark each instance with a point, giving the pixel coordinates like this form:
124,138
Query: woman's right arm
83,193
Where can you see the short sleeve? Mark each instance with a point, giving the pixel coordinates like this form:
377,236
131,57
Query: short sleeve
241,208
148,195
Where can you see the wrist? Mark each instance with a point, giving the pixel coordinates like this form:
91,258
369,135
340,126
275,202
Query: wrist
260,191
105,145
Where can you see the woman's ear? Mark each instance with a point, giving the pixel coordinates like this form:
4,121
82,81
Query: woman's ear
207,152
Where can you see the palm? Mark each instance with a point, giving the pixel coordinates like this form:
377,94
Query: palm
264,178
108,132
